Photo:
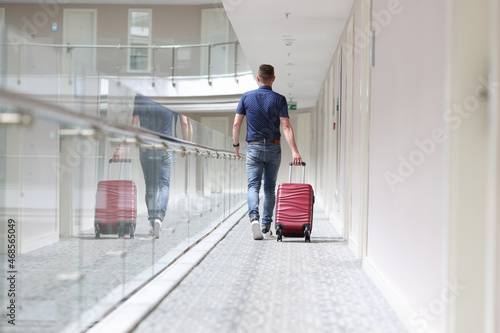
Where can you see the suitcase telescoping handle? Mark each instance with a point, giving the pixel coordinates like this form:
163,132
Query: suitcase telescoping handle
123,160
303,172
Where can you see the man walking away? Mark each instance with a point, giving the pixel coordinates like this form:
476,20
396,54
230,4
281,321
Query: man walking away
266,110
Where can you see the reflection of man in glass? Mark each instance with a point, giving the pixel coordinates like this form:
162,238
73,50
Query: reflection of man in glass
156,163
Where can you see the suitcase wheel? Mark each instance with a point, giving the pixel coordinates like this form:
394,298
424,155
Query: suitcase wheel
279,232
307,236
97,230
307,233
121,228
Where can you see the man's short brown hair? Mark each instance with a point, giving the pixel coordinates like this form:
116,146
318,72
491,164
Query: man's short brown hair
266,73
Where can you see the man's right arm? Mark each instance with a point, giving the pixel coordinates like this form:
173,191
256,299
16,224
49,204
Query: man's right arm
122,146
290,138
238,119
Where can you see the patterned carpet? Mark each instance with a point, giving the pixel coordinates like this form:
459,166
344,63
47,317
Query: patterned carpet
266,286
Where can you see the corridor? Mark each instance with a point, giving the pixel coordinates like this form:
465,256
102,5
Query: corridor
394,106
244,285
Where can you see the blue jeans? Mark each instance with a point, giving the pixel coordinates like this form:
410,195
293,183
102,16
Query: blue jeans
156,166
263,160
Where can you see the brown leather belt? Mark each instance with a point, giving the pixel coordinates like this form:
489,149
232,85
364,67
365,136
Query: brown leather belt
276,142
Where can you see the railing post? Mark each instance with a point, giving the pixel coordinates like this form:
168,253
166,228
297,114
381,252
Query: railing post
19,64
173,66
209,62
119,68
153,66
236,61
70,63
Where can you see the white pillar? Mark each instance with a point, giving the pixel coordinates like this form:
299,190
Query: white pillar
467,150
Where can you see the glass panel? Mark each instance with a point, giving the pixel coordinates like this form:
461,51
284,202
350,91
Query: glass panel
70,267
219,59
241,62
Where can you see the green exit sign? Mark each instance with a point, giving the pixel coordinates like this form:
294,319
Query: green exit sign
292,106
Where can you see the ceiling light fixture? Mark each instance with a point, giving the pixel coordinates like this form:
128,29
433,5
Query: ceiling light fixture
287,39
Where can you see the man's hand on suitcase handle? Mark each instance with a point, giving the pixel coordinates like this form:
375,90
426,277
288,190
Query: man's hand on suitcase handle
117,156
297,160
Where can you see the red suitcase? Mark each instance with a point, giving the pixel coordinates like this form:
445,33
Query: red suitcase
294,208
116,206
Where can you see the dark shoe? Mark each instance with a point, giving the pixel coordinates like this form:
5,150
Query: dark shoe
268,234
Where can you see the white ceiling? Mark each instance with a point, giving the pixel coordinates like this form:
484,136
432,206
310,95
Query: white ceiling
313,27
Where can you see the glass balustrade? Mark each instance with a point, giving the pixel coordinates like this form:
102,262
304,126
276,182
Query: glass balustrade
60,125
110,57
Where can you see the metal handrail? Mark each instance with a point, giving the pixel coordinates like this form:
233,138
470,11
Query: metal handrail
119,46
97,126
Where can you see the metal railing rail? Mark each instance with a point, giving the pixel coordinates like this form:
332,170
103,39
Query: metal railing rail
98,127
153,47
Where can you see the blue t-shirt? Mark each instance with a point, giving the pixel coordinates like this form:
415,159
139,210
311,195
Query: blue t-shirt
153,116
263,108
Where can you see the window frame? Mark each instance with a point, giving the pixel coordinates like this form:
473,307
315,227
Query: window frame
129,40
2,17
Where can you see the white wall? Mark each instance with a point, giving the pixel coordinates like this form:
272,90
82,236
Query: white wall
406,213
493,229
406,217
357,190
31,184
469,149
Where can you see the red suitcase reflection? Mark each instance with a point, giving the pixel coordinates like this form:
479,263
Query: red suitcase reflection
116,207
